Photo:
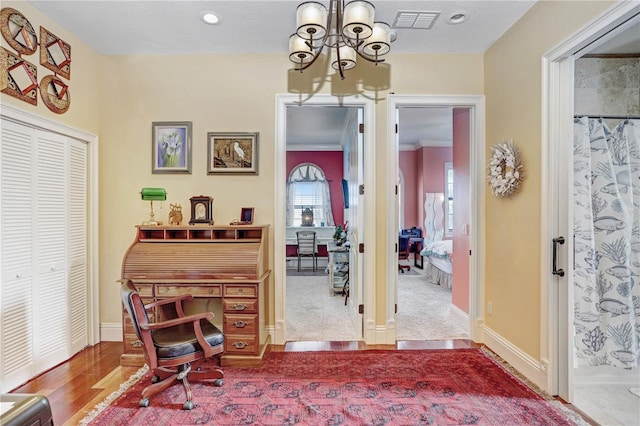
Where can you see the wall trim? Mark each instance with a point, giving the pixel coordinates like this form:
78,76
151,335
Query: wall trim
111,332
460,315
523,363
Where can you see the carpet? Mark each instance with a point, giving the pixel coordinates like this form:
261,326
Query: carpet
425,313
314,314
375,387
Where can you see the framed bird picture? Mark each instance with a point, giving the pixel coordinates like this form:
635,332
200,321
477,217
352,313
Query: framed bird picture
232,153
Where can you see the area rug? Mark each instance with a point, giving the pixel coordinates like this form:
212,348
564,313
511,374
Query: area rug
374,387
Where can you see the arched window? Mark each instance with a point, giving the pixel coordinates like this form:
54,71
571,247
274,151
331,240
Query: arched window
307,187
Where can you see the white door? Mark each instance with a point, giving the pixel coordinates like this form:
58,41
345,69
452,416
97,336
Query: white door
43,251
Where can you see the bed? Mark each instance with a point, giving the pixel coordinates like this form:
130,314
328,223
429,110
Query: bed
438,267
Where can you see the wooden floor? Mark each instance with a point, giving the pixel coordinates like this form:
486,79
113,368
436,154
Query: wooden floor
75,387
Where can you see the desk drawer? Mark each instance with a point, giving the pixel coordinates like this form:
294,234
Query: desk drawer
240,305
144,290
240,290
214,290
240,324
237,344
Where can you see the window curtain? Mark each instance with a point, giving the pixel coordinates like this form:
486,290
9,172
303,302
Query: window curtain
308,172
607,243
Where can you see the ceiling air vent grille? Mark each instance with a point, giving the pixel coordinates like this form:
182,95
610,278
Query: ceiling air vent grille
415,20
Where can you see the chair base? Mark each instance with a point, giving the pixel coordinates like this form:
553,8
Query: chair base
401,268
165,378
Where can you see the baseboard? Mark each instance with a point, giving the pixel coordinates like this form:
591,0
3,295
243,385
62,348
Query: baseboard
520,361
111,332
461,316
605,375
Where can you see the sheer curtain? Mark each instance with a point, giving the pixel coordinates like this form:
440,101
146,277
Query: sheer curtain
308,187
607,242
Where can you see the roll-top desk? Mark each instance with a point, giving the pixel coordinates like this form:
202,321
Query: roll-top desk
225,263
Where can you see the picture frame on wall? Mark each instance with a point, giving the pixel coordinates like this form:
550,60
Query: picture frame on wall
232,153
171,147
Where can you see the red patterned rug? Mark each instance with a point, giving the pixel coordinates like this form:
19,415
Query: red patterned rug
374,387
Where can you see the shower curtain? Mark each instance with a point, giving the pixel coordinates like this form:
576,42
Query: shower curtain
607,243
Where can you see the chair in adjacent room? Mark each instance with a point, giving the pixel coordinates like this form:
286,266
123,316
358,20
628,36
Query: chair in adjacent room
174,347
307,247
404,250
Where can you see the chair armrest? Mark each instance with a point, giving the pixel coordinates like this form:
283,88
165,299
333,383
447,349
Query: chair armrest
175,300
195,318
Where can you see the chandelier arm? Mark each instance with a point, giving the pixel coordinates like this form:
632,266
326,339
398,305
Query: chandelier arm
368,58
302,68
340,67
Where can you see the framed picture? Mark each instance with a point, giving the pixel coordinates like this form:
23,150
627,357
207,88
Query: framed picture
171,147
232,153
246,215
201,210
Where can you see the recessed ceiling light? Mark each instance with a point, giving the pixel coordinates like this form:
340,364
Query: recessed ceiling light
457,17
210,18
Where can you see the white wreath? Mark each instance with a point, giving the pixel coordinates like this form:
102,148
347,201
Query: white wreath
505,169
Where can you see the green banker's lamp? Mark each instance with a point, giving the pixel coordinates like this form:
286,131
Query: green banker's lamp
153,194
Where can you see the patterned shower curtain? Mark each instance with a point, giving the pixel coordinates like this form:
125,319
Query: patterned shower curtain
607,243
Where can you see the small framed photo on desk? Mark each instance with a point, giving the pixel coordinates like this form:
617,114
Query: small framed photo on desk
246,215
201,210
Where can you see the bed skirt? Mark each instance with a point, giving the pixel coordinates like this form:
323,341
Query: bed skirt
437,276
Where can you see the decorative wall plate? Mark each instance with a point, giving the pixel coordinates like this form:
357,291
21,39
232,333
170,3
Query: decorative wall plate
18,31
55,94
55,54
18,77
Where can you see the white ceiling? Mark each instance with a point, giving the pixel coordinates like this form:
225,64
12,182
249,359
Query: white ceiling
133,27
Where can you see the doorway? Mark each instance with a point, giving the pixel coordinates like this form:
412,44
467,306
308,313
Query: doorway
322,149
473,108
582,370
361,225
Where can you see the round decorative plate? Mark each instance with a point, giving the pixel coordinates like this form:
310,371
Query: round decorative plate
18,31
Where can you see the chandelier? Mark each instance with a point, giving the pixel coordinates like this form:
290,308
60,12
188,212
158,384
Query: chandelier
349,29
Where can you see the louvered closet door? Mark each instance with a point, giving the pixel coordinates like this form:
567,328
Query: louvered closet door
78,276
51,326
17,363
43,249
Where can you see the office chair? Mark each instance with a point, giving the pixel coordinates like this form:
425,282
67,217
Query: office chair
173,348
307,247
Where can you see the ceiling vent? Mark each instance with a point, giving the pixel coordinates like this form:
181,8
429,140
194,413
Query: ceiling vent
415,20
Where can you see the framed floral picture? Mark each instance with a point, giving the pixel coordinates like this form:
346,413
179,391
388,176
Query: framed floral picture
171,147
232,153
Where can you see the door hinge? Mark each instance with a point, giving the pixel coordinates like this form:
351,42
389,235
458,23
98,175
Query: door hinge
361,248
469,252
395,310
396,128
396,189
361,128
361,309
361,189
396,247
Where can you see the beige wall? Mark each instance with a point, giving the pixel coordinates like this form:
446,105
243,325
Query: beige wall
119,97
513,85
223,93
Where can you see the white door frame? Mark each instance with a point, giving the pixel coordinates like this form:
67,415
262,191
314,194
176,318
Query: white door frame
93,292
556,326
279,273
476,198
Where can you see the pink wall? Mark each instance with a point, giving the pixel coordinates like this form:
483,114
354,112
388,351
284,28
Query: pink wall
423,171
331,163
461,215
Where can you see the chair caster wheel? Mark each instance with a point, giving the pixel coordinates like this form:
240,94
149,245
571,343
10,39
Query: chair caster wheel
144,402
155,379
188,405
218,382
